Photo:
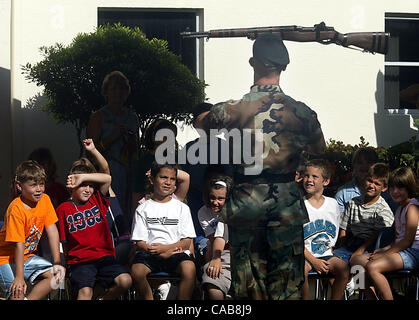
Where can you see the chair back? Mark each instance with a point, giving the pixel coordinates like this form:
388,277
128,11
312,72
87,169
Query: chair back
385,237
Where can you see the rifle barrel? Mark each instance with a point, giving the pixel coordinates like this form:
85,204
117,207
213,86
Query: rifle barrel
190,34
375,42
241,32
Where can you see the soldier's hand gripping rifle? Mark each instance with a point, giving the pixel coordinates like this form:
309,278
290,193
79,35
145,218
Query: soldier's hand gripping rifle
368,41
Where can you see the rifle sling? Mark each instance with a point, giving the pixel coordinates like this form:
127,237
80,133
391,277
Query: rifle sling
345,40
317,34
336,38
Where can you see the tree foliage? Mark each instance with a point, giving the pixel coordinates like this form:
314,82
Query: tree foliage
340,157
161,86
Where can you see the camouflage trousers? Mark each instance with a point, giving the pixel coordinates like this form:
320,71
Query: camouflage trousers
263,268
265,225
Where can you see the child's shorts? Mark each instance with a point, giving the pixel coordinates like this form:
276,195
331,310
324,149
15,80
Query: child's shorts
410,257
103,270
345,253
223,281
158,264
33,267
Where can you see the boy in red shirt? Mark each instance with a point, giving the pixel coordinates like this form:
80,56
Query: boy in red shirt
85,234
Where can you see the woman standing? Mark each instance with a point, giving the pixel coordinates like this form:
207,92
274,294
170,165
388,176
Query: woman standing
114,129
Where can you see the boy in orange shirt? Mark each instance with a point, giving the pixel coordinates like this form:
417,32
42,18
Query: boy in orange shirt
25,219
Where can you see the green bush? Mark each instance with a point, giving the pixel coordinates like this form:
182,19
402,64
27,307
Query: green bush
161,86
340,157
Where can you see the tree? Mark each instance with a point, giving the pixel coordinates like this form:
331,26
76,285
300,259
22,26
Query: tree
161,86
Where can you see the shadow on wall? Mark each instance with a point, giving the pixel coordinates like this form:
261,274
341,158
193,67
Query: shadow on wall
6,140
39,129
390,129
33,128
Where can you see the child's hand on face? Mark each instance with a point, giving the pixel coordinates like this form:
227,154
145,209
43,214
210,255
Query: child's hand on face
73,181
89,145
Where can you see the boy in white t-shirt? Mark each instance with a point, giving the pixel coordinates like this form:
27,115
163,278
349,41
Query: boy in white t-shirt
321,232
162,231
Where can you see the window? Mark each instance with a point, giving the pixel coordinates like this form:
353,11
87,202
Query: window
162,24
402,61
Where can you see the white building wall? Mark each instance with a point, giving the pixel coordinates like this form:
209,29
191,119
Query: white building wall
345,87
5,101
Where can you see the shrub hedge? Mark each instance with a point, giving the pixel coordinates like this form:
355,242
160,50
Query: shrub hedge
340,157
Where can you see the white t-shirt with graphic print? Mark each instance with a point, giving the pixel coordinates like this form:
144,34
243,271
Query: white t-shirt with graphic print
165,223
321,233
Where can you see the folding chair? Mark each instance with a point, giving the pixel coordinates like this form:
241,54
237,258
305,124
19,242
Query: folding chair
322,284
386,237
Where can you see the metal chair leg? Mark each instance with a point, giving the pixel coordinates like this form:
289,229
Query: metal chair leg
417,288
316,290
325,284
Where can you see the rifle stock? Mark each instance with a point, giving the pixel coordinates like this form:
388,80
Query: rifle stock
374,42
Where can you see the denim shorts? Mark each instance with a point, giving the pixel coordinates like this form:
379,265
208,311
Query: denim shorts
410,257
343,253
33,267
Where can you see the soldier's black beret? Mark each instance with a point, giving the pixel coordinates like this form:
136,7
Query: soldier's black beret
269,49
201,108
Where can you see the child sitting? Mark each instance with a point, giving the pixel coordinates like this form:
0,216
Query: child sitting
364,217
117,222
320,234
85,234
26,217
216,278
163,231
403,253
362,160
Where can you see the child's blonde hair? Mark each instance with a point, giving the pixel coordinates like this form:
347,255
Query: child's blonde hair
44,157
321,164
27,170
380,171
83,165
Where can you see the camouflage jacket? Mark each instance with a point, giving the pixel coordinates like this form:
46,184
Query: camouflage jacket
288,126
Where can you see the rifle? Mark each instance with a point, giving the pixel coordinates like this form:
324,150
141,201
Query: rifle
368,41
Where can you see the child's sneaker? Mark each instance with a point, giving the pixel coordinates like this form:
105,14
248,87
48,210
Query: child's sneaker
162,291
350,287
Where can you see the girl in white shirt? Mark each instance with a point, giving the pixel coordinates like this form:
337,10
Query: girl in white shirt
216,278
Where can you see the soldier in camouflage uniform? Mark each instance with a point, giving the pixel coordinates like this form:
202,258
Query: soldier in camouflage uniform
264,213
